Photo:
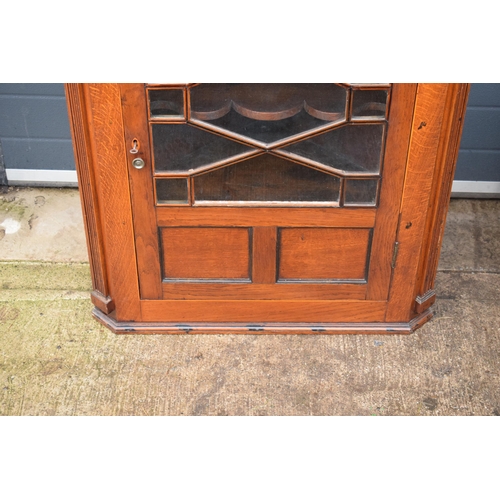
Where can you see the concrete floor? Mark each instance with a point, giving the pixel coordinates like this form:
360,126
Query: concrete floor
56,360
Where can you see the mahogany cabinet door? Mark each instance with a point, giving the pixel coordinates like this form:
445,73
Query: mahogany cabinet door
265,202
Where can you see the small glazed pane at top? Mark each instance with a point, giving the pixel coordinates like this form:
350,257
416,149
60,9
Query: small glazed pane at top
167,102
369,104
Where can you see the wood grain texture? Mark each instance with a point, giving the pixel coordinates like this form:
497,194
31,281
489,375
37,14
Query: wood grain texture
396,151
206,253
426,130
264,254
251,217
286,311
258,291
80,134
323,253
135,116
110,165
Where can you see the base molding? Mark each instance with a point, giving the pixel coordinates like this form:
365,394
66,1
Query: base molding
103,303
264,328
425,301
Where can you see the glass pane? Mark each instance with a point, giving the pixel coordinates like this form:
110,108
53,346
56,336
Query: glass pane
169,103
268,112
369,103
349,148
267,178
360,192
182,147
172,191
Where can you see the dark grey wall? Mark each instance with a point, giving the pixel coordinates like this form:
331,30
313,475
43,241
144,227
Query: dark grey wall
479,156
34,127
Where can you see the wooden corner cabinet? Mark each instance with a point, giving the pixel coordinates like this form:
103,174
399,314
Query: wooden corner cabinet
271,208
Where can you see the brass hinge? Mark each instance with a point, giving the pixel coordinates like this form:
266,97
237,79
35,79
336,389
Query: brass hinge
395,254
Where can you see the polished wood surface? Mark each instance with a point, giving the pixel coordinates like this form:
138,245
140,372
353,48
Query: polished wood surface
255,311
315,254
264,291
264,254
206,253
245,217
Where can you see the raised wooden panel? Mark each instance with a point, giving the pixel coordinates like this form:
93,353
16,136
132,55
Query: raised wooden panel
206,253
318,254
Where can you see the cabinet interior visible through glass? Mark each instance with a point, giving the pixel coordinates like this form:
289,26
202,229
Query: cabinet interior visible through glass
300,144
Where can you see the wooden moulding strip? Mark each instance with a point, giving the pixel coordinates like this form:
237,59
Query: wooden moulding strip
86,182
249,217
262,328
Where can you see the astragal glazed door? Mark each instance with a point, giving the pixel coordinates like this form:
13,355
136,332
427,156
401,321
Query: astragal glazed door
257,203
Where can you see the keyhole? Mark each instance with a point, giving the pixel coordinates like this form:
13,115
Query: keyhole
135,147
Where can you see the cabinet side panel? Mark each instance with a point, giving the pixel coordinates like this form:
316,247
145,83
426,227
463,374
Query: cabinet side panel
440,199
423,155
110,170
86,182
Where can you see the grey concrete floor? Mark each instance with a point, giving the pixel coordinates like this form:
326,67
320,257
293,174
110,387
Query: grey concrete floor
56,360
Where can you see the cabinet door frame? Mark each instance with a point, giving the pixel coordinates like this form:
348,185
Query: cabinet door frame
384,216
